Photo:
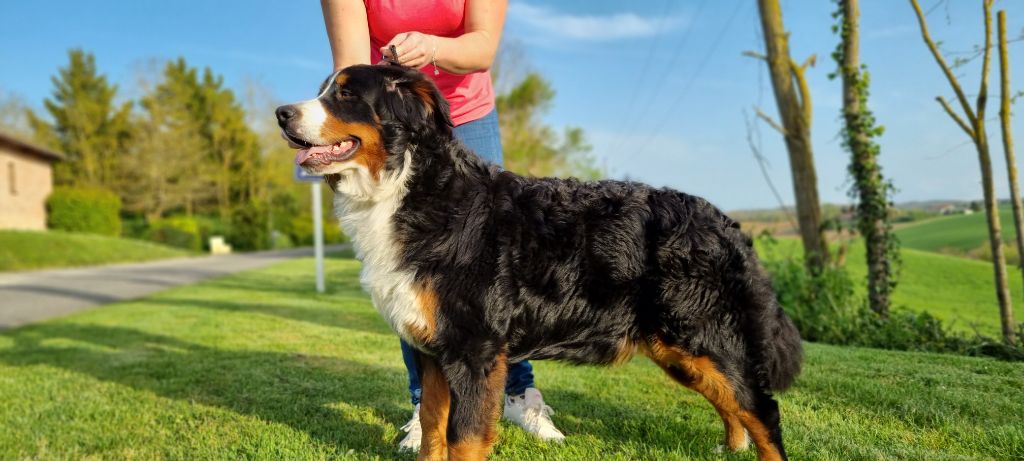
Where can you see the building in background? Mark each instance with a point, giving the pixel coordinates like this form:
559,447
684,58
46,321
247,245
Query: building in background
26,179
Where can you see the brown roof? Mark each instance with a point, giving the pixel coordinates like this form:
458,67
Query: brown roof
24,147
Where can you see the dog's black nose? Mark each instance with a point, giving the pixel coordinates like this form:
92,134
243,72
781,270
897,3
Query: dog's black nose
285,113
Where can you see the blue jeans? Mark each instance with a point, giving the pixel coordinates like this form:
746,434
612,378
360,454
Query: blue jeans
480,136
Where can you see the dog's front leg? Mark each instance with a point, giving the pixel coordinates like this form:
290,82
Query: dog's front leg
434,409
477,386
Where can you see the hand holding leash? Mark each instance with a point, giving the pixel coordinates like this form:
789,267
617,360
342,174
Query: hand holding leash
412,49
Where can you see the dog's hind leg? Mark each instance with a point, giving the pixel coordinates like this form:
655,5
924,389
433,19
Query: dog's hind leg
477,389
742,422
434,409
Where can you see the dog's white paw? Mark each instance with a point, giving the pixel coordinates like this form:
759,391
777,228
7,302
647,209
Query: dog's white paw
722,448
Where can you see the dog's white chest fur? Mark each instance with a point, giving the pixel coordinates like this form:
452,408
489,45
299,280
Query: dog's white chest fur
370,225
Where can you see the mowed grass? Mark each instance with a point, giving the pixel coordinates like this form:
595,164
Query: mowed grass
23,250
960,233
957,290
257,366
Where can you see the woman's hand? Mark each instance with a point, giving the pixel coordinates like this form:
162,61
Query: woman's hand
414,49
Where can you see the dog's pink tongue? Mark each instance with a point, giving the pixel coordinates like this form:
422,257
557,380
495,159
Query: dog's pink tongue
303,154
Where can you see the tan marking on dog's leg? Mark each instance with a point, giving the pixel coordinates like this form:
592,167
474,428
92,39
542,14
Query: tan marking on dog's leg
703,376
626,351
766,450
477,447
434,407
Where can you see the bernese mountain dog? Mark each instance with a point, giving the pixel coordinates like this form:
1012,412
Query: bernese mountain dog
477,267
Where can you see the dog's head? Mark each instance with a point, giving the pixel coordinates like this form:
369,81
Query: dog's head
364,120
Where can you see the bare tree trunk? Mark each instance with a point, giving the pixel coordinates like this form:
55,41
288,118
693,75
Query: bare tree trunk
870,187
974,126
793,99
1011,160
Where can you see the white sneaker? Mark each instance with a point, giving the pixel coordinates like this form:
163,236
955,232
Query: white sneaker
529,412
411,442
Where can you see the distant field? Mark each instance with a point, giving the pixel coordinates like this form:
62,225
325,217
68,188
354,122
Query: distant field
955,289
22,250
958,233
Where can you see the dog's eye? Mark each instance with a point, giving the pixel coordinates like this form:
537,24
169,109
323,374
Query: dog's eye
346,93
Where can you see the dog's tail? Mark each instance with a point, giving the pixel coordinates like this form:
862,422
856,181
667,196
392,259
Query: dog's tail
780,351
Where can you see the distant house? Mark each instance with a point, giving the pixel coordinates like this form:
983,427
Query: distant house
26,179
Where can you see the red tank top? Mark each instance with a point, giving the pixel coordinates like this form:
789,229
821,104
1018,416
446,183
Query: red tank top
470,96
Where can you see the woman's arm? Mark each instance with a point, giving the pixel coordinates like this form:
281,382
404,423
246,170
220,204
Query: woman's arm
472,51
347,31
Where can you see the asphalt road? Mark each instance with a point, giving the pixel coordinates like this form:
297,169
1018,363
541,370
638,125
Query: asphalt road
31,296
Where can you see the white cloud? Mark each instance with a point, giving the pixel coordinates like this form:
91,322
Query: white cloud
589,27
267,59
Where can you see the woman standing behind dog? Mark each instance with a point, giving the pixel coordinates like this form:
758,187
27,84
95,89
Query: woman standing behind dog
454,42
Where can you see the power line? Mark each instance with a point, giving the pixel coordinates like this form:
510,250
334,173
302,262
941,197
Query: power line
647,63
677,52
700,68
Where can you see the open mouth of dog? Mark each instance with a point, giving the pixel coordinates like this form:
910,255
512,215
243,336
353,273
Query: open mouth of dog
311,156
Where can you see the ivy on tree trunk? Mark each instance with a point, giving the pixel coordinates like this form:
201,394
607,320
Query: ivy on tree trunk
869,187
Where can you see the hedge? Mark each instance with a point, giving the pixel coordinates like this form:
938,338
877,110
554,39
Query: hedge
177,231
87,210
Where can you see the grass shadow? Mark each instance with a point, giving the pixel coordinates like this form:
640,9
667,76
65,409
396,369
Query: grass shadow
365,320
301,391
602,417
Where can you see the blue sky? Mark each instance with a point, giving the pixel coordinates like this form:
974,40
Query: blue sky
660,86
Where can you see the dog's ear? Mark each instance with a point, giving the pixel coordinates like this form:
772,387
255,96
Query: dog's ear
414,102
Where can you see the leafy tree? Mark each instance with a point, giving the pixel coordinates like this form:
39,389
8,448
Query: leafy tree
534,148
13,119
165,166
869,186
230,144
88,126
196,136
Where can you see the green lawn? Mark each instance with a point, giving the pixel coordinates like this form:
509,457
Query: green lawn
257,366
22,250
957,290
959,233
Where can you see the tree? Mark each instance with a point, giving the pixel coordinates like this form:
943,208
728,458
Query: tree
13,118
869,187
1004,117
530,146
88,126
165,172
974,126
230,143
224,150
793,98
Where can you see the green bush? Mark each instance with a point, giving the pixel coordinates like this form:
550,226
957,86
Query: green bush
280,241
302,230
134,226
826,308
88,210
249,228
176,231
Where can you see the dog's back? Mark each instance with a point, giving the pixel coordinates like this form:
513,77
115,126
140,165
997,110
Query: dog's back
590,268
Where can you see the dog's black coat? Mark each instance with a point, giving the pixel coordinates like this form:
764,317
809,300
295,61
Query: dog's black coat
544,268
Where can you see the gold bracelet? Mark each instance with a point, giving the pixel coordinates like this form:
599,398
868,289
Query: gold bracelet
433,55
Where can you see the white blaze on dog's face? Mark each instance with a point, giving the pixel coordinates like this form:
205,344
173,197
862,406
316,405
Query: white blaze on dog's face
336,132
341,131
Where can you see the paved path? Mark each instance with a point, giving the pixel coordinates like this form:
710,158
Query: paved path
32,296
